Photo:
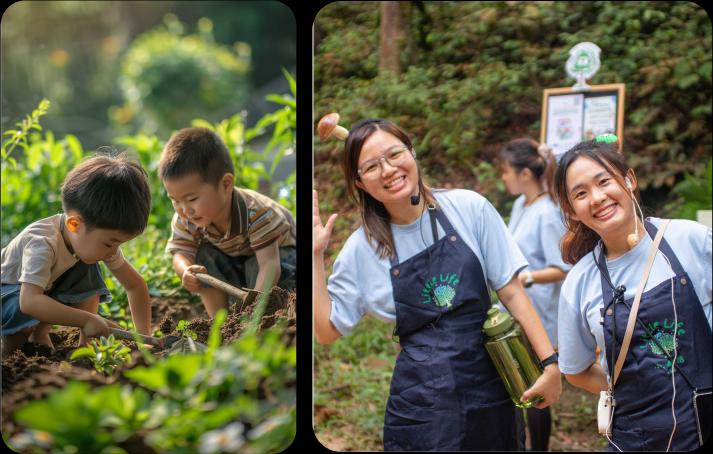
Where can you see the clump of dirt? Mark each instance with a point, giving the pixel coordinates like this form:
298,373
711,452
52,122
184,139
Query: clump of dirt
167,324
166,312
280,305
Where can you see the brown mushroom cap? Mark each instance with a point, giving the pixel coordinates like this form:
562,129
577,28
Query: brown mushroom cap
327,124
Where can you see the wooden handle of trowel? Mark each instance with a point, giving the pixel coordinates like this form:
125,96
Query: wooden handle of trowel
227,288
128,335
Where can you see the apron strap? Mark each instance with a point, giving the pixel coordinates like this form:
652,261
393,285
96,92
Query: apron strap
635,307
445,223
434,228
434,213
665,248
604,276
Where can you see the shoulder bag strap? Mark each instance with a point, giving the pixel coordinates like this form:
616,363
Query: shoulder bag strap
637,299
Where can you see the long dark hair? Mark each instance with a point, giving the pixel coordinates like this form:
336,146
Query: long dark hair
525,153
580,239
375,218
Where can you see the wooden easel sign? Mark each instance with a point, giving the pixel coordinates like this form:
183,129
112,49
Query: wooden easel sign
571,116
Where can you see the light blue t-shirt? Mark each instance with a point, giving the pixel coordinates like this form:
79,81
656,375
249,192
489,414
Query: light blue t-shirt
580,331
537,230
361,284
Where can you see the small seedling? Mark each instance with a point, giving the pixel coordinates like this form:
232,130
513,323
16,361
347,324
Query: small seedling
106,354
183,329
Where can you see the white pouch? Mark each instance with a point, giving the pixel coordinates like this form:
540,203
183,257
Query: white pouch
605,410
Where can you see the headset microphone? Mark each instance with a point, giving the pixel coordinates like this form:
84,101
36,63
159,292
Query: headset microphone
416,199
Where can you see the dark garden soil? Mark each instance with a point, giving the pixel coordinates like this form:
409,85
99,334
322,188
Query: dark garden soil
33,371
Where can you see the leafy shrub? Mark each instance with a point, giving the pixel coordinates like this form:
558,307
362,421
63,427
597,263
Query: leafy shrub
31,178
162,65
692,194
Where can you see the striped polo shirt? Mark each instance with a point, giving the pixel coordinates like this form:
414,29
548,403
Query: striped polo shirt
255,222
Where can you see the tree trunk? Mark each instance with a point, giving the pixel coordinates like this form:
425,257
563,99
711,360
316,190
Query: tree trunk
394,36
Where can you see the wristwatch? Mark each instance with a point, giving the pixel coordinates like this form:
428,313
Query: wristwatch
554,358
529,280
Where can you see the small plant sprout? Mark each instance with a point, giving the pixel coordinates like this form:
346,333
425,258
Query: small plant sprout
106,354
182,328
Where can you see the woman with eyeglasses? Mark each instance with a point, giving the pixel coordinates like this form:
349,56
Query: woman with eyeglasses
425,259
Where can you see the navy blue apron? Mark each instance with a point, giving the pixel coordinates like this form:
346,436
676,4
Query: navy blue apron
445,393
643,392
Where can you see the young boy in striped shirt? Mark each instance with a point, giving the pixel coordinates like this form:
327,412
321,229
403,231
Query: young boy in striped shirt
237,235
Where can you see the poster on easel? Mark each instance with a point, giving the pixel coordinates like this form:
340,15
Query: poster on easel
571,116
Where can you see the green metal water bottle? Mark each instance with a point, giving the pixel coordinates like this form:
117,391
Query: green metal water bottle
512,355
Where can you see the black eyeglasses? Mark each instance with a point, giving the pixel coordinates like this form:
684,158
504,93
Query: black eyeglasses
395,156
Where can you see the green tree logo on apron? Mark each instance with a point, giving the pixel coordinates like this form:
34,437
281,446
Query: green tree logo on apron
663,333
440,290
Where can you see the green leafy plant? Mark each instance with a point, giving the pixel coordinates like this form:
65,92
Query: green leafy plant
105,354
44,161
97,419
183,330
693,193
19,136
238,394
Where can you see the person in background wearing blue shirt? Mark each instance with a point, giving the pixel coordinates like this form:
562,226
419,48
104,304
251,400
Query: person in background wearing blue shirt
669,356
425,259
528,168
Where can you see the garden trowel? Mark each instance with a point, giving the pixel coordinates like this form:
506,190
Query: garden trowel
246,295
165,342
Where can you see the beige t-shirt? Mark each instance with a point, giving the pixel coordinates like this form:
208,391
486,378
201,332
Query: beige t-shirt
38,255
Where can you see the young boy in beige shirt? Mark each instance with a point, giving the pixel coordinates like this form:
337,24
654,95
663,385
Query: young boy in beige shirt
50,271
234,234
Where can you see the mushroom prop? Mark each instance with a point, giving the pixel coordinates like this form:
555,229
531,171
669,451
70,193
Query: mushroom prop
328,126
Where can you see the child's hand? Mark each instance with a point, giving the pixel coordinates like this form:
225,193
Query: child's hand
190,281
96,326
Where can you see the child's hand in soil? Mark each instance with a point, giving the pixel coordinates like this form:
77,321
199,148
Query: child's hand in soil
189,280
95,326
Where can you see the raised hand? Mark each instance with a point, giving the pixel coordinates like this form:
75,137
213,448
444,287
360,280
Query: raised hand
320,233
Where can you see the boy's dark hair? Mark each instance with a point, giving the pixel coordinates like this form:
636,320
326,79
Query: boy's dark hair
195,150
109,192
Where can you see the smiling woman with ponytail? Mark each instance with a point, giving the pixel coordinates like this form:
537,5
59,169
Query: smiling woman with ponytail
669,357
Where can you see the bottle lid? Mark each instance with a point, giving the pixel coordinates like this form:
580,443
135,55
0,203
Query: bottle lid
497,323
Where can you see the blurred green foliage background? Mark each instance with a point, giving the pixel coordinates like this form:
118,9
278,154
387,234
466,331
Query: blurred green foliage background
114,68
